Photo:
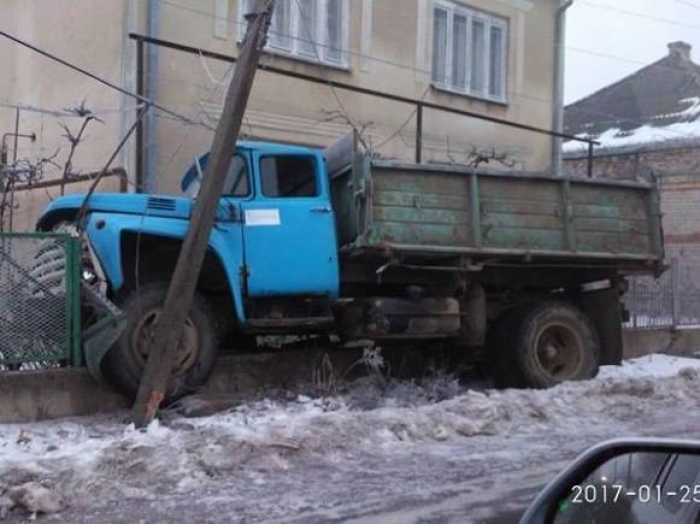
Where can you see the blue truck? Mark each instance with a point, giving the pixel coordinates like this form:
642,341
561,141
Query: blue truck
523,272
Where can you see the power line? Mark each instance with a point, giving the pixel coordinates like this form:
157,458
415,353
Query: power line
428,73
636,14
89,74
339,102
63,113
343,110
686,2
273,52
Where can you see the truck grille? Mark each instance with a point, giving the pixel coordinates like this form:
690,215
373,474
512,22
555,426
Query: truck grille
160,204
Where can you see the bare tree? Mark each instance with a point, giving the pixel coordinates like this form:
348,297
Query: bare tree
23,172
26,171
360,128
477,156
74,139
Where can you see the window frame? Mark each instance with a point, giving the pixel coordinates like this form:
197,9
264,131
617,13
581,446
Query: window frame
490,21
293,51
312,159
248,177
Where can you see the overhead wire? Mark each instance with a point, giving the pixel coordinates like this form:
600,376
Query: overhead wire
637,14
316,46
426,72
339,102
321,62
89,74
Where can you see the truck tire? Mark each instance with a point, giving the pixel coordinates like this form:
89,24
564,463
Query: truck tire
125,361
543,345
48,270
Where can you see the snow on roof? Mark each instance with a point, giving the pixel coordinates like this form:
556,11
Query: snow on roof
685,128
657,106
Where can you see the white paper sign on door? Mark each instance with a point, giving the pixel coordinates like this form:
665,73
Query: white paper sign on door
262,217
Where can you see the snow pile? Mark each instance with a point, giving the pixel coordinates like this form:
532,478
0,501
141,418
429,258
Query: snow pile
650,366
31,496
104,459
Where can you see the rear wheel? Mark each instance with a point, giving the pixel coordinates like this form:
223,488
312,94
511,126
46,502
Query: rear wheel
196,352
544,345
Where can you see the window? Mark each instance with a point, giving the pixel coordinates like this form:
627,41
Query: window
288,176
309,29
237,178
644,468
682,476
469,51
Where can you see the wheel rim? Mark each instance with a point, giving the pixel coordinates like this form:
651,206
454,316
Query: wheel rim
559,351
144,332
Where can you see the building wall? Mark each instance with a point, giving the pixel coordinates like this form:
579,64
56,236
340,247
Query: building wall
390,51
91,34
678,173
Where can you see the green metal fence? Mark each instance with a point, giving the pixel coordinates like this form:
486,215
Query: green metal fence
39,301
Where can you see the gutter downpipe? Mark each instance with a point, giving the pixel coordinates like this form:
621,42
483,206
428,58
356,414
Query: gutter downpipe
151,82
558,88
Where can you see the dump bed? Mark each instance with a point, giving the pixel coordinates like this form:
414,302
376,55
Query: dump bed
426,209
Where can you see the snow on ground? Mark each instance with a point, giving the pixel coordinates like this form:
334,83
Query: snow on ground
348,455
650,366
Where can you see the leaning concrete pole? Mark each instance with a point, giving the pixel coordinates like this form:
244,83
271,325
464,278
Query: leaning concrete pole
189,264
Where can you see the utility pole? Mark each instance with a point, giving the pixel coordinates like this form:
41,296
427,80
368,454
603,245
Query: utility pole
189,264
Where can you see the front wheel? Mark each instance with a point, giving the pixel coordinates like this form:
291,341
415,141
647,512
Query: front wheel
196,352
542,345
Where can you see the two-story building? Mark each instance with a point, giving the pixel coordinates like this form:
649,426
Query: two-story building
500,59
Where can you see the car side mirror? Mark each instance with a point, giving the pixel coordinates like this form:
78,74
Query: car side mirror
636,481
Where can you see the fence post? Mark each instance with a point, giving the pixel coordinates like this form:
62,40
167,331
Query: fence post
632,291
419,133
141,91
676,292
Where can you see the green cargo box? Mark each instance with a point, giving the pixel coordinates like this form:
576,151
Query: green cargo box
431,209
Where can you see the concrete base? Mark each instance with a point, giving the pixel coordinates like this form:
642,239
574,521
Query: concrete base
47,394
640,342
40,395
37,395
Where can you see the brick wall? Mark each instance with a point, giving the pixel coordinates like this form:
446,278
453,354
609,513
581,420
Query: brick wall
678,172
681,160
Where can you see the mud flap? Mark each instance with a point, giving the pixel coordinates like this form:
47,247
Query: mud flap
103,334
603,308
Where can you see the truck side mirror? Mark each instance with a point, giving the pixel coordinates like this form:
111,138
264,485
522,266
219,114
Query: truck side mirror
623,481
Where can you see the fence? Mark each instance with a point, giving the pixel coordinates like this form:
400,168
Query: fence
39,301
671,301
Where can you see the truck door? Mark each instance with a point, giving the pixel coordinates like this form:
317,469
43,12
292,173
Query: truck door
289,229
228,228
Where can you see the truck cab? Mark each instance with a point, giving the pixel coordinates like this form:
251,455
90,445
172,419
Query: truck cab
278,218
274,235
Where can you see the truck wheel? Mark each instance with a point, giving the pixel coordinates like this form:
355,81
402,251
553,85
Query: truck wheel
194,361
544,345
48,269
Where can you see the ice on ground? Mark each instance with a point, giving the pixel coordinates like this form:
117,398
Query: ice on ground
650,366
103,458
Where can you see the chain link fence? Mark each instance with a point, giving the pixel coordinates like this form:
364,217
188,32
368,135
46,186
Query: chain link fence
39,301
670,301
